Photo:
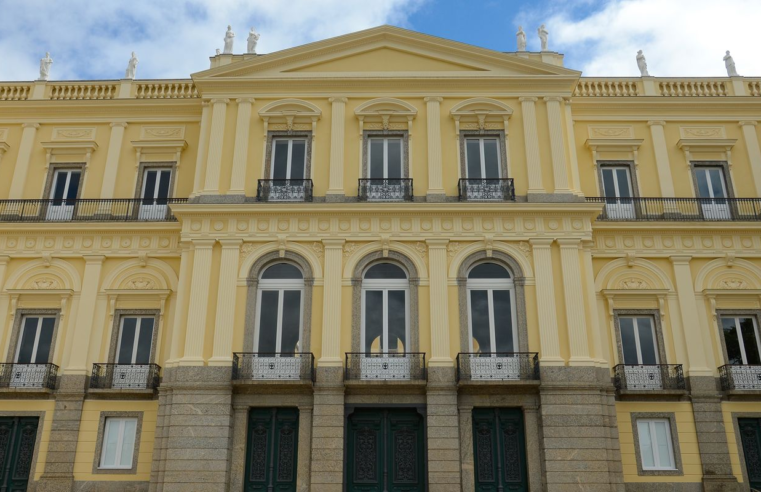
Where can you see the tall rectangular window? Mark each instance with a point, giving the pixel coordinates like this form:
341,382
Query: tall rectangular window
655,446
741,338
385,158
638,340
118,443
482,158
289,158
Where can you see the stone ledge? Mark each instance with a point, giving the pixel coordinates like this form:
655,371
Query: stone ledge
651,395
121,394
26,393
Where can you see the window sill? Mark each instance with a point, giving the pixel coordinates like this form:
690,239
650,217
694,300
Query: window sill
513,383
120,394
26,392
655,394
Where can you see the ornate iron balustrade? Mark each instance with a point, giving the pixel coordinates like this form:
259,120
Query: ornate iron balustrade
89,210
498,366
284,190
649,377
679,209
276,366
409,366
487,189
28,375
740,377
125,376
385,190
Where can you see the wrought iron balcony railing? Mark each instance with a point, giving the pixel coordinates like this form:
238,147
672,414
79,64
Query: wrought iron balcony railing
679,209
125,376
28,375
645,377
284,190
498,366
385,190
740,377
89,210
273,367
409,366
487,189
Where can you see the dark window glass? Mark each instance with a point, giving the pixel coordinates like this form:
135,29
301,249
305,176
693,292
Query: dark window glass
282,271
385,271
397,326
291,321
298,159
608,186
163,191
474,158
702,178
71,194
394,158
373,321
479,319
716,183
376,158
45,341
628,343
268,321
492,159
150,187
280,164
623,183
731,341
646,341
749,340
28,334
144,342
503,324
488,270
127,342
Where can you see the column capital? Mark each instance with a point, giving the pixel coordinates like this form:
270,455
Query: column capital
527,99
434,99
340,99
94,259
115,124
334,243
203,243
245,100
747,123
437,243
569,242
4,259
230,243
680,260
656,123
219,101
540,242
557,99
30,125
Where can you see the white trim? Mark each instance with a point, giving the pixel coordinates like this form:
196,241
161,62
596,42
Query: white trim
35,344
385,141
280,286
635,324
490,285
121,421
654,444
138,331
481,141
289,157
385,286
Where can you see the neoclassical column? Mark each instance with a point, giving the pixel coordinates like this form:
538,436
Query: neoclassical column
662,158
574,301
575,180
203,141
199,302
224,323
83,325
240,152
754,153
685,290
438,266
557,144
331,305
337,134
591,302
22,161
435,171
531,139
108,187
216,142
545,300
181,304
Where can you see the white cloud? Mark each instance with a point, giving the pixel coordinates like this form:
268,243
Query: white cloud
93,39
678,37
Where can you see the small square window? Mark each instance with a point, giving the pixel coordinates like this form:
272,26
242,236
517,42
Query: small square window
656,448
118,443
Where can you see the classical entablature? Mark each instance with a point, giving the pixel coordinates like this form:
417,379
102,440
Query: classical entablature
290,115
385,113
481,113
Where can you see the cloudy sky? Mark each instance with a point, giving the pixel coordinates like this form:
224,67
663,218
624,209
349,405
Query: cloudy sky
174,38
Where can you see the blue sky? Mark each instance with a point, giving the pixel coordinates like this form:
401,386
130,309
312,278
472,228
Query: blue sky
174,38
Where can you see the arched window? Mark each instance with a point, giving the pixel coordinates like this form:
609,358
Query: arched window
491,309
385,310
280,307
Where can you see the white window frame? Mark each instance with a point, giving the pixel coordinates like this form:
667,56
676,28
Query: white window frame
635,319
138,331
158,171
722,178
121,421
36,342
490,285
616,190
289,159
385,156
481,141
740,335
385,285
279,285
56,176
654,444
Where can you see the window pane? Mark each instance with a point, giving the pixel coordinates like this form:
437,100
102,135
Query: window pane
385,270
394,158
503,324
731,340
646,341
702,179
376,158
291,321
27,340
144,341
607,182
628,344
488,270
662,438
373,321
73,186
716,183
280,163
45,341
492,158
397,326
163,192
479,319
149,189
623,183
473,156
749,340
128,443
268,321
110,442
60,184
127,342
645,444
298,159
282,271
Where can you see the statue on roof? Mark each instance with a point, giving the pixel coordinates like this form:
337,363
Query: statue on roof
45,67
131,67
521,39
253,38
543,36
729,62
229,38
642,64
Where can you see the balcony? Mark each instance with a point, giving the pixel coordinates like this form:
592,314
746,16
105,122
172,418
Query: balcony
740,377
125,376
89,210
497,366
284,190
655,377
679,209
385,190
273,367
407,367
486,190
28,376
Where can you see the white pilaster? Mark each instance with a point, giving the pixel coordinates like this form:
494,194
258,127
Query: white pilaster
574,302
216,143
108,187
331,305
662,158
337,136
240,152
199,302
203,143
591,304
754,153
685,290
557,144
531,139
22,161
181,304
575,180
435,171
439,297
545,300
83,325
224,323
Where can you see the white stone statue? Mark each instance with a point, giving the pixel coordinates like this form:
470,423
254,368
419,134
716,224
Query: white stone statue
642,64
543,36
521,39
218,52
45,67
131,67
229,38
253,38
729,62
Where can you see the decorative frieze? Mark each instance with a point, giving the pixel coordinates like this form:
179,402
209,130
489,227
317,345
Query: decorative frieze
610,131
76,134
702,132
68,244
162,132
668,243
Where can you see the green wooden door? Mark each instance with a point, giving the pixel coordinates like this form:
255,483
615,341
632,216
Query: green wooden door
499,450
385,451
17,438
271,452
750,435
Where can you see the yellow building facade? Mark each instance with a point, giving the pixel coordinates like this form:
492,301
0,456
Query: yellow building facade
381,261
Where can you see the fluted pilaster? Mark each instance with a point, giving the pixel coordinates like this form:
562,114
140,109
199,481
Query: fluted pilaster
662,158
337,131
438,266
331,310
545,300
203,143
435,172
574,301
754,153
216,142
22,161
199,302
531,138
240,153
224,323
557,145
685,291
108,186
